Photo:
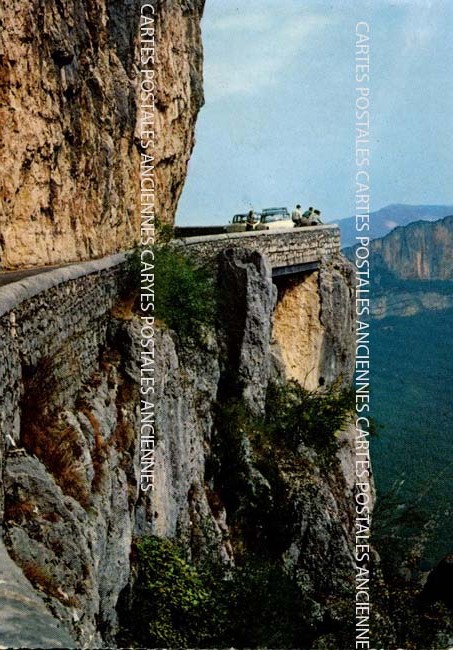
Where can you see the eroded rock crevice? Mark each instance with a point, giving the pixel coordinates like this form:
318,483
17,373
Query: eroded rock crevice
314,325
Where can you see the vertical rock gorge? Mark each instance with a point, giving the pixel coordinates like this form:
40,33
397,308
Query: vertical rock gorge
70,468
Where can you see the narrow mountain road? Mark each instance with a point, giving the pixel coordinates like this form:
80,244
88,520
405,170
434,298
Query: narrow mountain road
7,277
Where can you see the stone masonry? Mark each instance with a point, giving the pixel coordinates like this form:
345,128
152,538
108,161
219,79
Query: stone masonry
62,314
281,247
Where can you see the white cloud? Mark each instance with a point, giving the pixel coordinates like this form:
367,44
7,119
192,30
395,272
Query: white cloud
411,3
421,26
248,50
241,22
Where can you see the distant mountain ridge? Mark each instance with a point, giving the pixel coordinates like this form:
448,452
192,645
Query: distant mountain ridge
383,221
412,268
423,250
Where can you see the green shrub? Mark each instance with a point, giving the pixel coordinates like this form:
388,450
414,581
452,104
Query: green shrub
185,293
266,609
252,458
308,417
178,605
171,603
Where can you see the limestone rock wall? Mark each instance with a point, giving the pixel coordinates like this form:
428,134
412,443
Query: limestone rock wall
24,615
69,143
69,427
412,269
180,507
67,481
237,362
314,325
420,251
298,330
179,96
405,303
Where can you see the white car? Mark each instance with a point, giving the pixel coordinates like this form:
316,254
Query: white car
239,222
275,218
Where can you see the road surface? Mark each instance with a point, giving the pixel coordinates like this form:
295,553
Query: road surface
7,277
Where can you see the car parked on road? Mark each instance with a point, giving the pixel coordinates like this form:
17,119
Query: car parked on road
239,222
274,218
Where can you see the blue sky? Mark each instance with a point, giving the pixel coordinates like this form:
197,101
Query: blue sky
277,127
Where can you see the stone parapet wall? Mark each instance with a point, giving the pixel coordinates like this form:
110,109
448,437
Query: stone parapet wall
281,247
60,315
54,330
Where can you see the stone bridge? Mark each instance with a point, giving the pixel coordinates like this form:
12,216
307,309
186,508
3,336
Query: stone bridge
289,251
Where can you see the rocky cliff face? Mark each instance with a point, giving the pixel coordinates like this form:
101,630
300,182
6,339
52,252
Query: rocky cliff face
313,340
70,471
292,506
386,219
412,269
72,499
409,303
179,97
70,157
420,251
